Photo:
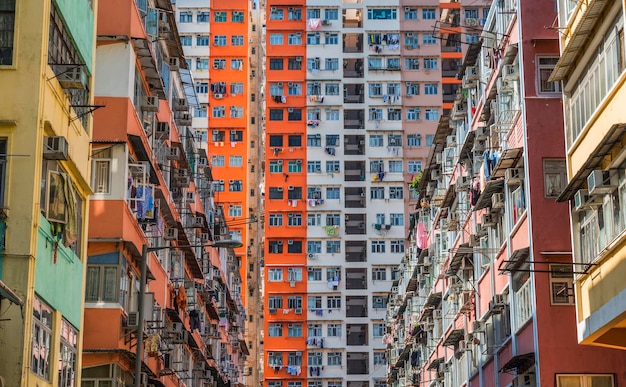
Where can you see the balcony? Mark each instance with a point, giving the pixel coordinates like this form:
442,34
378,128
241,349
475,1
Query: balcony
352,43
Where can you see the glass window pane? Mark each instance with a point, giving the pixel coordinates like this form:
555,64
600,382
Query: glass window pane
110,284
93,281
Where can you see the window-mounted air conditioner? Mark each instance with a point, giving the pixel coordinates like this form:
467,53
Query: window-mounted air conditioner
150,104
170,234
174,63
55,148
163,130
71,76
599,182
173,153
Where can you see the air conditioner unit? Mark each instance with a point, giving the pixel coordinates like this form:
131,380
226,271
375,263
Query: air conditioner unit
409,34
279,189
510,73
407,9
317,34
497,200
482,133
290,110
471,22
473,240
218,96
174,63
279,242
298,59
488,220
163,130
173,153
190,197
170,234
325,22
298,311
599,182
462,184
55,148
133,320
527,380
290,241
451,141
311,256
514,176
299,34
273,9
583,201
479,147
150,104
71,76
477,326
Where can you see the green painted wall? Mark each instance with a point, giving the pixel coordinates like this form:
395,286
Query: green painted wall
60,284
79,21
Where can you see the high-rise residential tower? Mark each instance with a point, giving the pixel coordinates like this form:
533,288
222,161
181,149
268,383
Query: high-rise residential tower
354,94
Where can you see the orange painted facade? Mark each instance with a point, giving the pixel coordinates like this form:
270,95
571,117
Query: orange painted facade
290,177
151,196
228,135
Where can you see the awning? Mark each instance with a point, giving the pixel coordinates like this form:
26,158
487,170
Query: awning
404,355
515,260
433,300
183,163
148,66
466,149
189,87
142,154
519,361
470,57
412,285
594,160
173,315
435,363
457,259
492,187
155,383
508,159
583,30
454,337
7,293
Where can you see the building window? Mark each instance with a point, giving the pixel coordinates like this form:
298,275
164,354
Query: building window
275,359
276,192
294,39
275,220
237,17
333,302
294,114
67,356
583,380
562,284
431,114
219,40
237,40
378,246
333,247
186,40
277,13
331,14
294,219
294,330
334,359
41,339
276,114
379,274
429,14
429,39
234,210
379,358
382,14
101,285
314,274
545,66
314,247
294,13
377,193
313,166
202,40
203,17
275,329
101,166
397,246
555,177
396,193
411,63
276,39
334,330
378,329
275,64
185,17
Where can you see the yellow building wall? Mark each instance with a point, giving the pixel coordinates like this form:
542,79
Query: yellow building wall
33,105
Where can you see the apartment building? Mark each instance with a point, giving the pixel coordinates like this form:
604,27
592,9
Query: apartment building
221,45
46,71
591,72
354,95
194,27
162,303
485,294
